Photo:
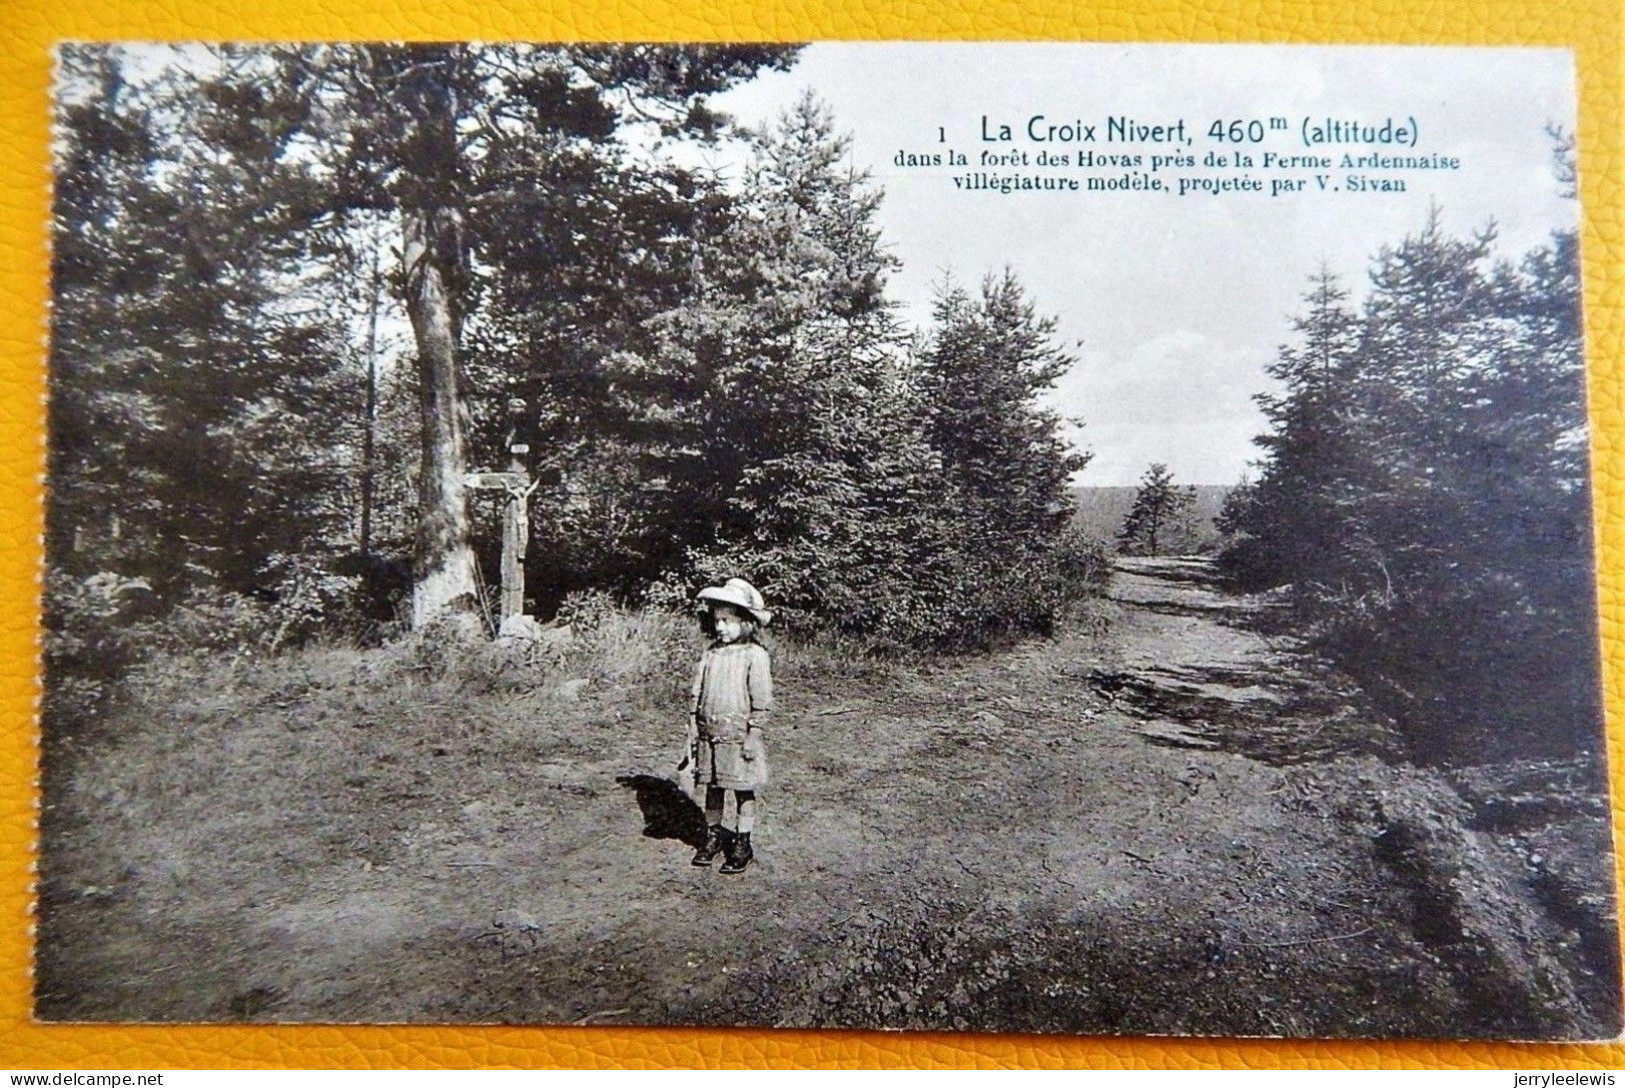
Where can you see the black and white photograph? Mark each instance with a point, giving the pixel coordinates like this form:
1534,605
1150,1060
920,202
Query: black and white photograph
994,537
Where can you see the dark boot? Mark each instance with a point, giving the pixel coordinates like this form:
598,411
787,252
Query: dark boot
715,843
739,854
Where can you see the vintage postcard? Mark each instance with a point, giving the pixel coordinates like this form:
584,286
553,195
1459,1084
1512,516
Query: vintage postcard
992,537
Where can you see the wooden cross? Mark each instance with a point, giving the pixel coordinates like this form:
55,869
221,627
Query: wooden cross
518,486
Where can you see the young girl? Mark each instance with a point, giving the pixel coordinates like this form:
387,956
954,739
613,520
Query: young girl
733,692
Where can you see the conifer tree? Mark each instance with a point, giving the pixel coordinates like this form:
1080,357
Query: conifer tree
988,361
1006,465
800,417
1288,522
185,379
1158,507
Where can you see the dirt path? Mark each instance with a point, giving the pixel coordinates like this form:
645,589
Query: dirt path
1176,826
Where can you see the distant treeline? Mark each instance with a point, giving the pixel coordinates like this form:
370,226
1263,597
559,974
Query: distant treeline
1425,493
301,291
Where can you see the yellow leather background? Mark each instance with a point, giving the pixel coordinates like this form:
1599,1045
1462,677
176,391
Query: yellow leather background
28,28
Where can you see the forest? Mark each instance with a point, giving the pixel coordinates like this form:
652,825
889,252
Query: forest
251,445
301,292
1425,492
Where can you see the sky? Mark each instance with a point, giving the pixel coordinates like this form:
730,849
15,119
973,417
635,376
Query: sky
1173,305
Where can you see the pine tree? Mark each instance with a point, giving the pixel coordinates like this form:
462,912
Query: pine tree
799,415
1288,524
1158,507
828,456
1429,504
185,381
1005,463
989,360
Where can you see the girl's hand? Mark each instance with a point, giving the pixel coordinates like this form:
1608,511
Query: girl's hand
691,750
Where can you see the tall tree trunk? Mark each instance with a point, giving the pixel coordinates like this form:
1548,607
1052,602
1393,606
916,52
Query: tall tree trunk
443,562
369,435
443,568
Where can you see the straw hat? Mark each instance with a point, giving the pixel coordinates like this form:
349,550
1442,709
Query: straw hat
741,594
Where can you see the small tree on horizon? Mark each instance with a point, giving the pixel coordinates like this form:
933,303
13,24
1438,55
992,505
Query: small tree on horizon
1158,507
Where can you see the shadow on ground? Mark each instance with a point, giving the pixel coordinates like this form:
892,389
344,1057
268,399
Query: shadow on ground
668,813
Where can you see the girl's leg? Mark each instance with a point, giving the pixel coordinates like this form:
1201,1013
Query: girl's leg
714,840
739,848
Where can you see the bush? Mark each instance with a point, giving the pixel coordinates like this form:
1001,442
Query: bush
1082,563
611,643
955,596
1249,564
95,628
98,627
597,639
1469,671
298,600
